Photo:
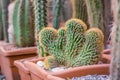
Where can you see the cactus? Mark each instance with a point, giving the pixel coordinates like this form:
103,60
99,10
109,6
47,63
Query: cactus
1,26
71,45
50,62
115,59
24,23
40,21
57,12
75,37
80,10
91,51
54,41
4,4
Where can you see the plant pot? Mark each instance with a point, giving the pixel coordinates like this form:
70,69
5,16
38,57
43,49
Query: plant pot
23,71
37,73
1,44
102,69
10,53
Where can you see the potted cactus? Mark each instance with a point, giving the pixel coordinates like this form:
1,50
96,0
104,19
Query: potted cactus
23,21
68,47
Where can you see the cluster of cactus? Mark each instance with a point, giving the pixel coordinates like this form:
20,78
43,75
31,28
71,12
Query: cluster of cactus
40,7
73,45
80,10
23,21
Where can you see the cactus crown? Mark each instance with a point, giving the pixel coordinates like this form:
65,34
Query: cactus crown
73,45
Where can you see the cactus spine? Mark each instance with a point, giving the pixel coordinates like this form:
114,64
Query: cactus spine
80,10
24,23
40,21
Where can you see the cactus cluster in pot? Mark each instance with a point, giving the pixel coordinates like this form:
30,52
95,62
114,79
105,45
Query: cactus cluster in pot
72,45
23,21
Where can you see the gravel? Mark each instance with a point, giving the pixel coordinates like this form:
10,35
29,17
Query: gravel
92,77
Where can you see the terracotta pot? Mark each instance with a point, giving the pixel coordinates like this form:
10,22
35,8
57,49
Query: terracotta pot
1,44
9,54
37,73
102,69
23,71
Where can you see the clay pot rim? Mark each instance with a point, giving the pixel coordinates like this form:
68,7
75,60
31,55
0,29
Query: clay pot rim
20,51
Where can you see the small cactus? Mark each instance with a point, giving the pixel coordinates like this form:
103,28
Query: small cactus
24,23
72,44
50,62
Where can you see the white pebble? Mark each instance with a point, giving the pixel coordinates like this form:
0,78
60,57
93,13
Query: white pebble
40,63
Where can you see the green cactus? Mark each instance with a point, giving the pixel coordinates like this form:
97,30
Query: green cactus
4,4
24,23
91,51
57,13
40,21
75,37
1,26
71,46
80,10
54,41
95,13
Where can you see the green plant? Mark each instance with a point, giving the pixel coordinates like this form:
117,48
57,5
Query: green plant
80,10
40,21
1,26
4,5
24,23
57,8
73,46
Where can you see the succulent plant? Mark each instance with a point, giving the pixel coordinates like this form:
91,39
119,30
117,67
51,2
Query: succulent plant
4,6
40,7
24,23
1,25
80,10
57,13
50,62
72,45
92,49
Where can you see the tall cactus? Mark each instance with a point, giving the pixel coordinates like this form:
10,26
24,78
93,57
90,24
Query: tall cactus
80,10
71,45
115,61
24,23
1,26
40,20
57,8
5,4
95,12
